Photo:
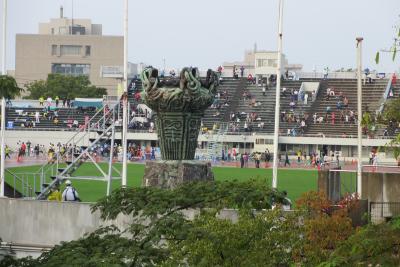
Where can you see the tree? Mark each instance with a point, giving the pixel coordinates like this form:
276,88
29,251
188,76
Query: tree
263,238
64,87
158,224
373,245
325,227
393,49
391,117
8,87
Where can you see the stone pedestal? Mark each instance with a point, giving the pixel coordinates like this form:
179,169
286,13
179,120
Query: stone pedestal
171,173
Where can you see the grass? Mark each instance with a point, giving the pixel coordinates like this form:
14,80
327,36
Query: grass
294,181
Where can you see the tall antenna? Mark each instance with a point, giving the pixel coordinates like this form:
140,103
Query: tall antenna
72,16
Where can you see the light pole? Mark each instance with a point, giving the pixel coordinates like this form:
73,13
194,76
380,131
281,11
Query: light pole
3,102
359,111
277,99
125,98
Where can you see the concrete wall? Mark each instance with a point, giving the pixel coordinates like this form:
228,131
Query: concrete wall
46,223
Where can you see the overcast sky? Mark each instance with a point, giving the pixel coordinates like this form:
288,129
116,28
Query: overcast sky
208,32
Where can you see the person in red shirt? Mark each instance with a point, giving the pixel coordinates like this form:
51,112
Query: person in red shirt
23,148
394,79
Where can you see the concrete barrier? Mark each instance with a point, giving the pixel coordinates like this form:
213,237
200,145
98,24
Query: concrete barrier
46,223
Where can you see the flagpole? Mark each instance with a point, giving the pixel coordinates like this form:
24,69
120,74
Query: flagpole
359,119
125,99
277,99
3,102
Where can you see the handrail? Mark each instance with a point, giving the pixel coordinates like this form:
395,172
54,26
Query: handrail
384,97
72,139
26,184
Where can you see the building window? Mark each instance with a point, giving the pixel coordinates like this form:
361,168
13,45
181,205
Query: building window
52,30
71,69
71,50
87,50
62,30
54,50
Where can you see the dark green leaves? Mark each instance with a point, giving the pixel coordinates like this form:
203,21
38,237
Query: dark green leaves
8,87
64,87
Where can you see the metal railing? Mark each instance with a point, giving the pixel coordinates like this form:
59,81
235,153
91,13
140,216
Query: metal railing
385,96
23,179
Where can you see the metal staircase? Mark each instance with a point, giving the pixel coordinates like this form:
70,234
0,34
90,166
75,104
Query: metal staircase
215,146
104,131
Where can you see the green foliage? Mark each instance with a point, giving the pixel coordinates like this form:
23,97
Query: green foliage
392,114
160,234
373,245
64,87
392,111
266,238
377,58
158,224
8,87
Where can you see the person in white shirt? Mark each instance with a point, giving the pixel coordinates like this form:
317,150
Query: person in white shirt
49,100
37,116
305,99
70,193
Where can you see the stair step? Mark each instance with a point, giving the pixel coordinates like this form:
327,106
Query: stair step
60,170
77,155
53,177
68,162
45,185
38,193
83,147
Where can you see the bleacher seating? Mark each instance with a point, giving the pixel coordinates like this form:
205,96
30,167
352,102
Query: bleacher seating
64,115
372,94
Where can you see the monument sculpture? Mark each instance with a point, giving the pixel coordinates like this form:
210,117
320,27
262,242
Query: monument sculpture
179,104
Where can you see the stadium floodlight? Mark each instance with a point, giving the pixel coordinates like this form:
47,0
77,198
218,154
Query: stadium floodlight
277,100
359,111
3,102
125,98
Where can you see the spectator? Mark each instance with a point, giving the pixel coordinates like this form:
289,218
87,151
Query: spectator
394,79
345,102
41,100
55,194
70,193
284,91
241,71
305,98
250,78
326,72
49,100
287,162
57,101
37,116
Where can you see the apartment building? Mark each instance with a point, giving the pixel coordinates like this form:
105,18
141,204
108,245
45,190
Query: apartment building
70,47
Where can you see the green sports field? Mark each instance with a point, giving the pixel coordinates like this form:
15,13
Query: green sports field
294,181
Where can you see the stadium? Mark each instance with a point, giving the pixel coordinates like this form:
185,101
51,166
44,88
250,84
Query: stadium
269,121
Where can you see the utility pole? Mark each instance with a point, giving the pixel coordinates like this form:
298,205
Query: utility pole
3,102
125,98
359,119
277,99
